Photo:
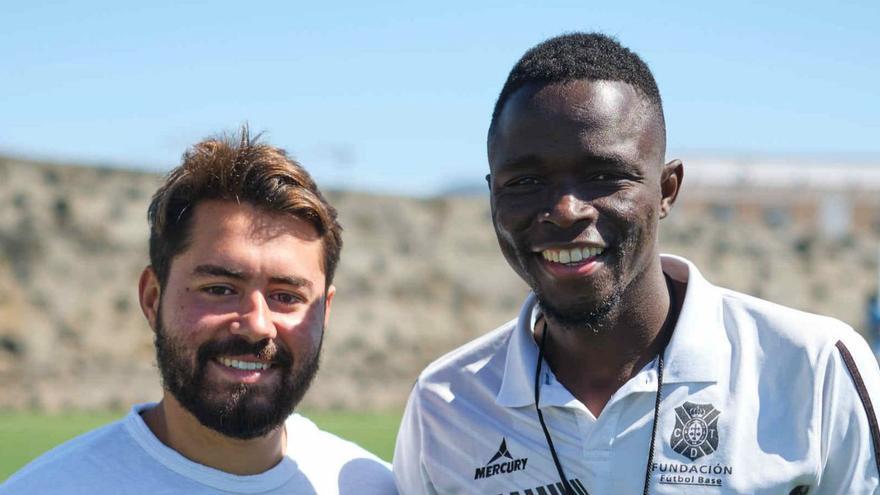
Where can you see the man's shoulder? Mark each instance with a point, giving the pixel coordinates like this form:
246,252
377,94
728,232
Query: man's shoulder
327,459
305,438
467,360
783,319
71,466
778,327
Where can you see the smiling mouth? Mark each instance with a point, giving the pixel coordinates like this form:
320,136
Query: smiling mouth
572,256
243,365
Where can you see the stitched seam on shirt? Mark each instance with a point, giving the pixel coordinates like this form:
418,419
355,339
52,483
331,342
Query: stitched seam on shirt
865,398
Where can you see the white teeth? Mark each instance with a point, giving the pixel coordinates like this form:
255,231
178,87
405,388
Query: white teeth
564,256
575,255
242,365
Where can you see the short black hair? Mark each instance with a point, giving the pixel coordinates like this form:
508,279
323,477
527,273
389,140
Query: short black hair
574,56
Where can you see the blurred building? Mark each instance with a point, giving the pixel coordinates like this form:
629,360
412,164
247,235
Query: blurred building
835,197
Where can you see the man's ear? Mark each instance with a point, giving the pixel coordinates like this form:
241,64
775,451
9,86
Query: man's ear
149,295
670,184
328,303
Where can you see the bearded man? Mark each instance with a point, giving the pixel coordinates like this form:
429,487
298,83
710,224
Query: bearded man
243,248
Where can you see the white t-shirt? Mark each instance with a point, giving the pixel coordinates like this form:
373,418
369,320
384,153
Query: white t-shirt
125,457
757,398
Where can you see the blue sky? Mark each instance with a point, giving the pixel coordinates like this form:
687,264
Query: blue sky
392,97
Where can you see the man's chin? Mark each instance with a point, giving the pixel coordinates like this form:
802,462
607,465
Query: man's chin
244,410
243,414
591,316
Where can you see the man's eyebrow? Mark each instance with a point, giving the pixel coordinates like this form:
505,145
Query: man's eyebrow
291,280
521,162
222,271
608,160
532,161
602,158
219,271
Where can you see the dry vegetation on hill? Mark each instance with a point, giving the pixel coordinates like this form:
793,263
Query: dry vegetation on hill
417,278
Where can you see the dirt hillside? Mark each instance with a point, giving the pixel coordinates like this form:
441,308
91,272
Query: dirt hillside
417,278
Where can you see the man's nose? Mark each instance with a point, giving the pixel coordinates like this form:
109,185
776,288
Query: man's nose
255,323
568,208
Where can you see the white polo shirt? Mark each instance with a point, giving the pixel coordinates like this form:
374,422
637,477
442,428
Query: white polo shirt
757,398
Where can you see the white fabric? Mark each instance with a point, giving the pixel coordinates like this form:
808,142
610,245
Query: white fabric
787,410
125,457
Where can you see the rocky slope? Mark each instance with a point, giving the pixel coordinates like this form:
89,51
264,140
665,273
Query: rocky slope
417,278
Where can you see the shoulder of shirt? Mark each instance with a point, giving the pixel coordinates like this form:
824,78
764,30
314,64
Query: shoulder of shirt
330,461
307,441
76,451
466,359
799,328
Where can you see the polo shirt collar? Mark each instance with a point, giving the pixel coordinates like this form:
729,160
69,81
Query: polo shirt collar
699,345
518,383
693,355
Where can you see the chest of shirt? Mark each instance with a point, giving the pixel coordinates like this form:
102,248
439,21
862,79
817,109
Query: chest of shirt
708,440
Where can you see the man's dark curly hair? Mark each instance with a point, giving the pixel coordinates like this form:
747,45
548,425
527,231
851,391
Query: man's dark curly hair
579,56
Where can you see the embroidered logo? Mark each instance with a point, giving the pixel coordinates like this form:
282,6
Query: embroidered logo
498,465
696,430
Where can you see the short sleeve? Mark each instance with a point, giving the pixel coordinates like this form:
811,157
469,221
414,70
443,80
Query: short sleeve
409,469
850,436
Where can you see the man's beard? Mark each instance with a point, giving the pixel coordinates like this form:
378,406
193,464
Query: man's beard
593,320
242,410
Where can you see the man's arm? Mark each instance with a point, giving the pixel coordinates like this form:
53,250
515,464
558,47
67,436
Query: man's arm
850,433
409,470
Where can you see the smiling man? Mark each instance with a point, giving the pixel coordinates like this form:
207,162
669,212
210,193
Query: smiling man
243,248
626,370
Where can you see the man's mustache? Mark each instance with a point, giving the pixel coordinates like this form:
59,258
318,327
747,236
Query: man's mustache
264,350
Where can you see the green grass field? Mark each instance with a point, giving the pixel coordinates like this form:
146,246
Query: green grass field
24,436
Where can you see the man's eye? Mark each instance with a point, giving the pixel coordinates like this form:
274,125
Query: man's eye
286,298
523,181
218,290
607,176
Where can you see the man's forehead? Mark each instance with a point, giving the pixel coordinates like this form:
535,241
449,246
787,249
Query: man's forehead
600,109
216,218
586,100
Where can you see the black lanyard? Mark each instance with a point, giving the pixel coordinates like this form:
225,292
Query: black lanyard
670,320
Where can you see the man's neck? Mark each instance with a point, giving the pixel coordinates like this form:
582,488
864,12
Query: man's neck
180,430
593,366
